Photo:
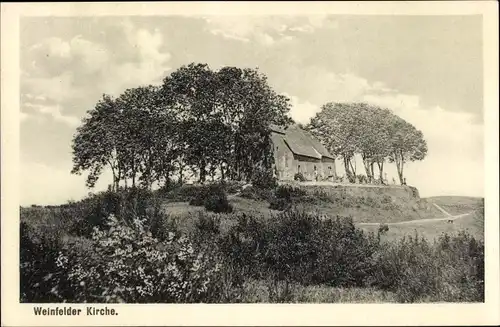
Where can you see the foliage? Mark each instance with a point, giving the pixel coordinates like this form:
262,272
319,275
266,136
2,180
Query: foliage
376,134
299,177
451,269
148,257
255,193
40,278
264,179
200,120
217,202
135,267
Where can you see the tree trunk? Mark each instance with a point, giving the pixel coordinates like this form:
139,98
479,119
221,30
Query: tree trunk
399,165
222,176
181,173
380,165
368,171
203,173
167,178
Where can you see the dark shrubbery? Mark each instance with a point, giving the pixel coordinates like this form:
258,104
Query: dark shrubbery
299,177
285,196
217,202
451,269
223,253
255,193
299,247
264,179
213,197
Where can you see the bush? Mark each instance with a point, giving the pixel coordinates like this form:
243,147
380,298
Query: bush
383,228
280,204
217,202
299,177
285,196
299,247
135,267
451,269
40,280
185,193
264,179
255,193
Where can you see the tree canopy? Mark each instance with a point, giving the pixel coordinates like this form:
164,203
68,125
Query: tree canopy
217,122
198,120
375,133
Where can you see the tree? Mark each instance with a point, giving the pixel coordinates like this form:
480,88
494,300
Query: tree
225,117
338,127
376,134
95,143
198,119
407,144
374,141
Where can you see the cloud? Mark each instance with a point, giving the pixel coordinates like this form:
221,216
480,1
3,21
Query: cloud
71,74
301,111
53,111
265,30
455,160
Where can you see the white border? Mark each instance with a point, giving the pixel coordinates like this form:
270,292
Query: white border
15,314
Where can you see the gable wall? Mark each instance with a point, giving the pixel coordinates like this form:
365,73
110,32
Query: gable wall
283,158
286,163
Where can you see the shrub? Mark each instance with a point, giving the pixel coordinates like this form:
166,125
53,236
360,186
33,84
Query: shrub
285,196
40,279
136,267
231,187
255,193
185,193
451,269
217,202
300,247
289,192
383,228
299,177
263,178
199,197
280,204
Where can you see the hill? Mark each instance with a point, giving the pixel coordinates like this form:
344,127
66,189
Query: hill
456,205
369,206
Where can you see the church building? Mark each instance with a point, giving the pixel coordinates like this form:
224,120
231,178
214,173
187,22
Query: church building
297,151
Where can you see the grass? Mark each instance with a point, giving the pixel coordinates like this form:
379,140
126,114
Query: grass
271,257
456,205
473,223
258,291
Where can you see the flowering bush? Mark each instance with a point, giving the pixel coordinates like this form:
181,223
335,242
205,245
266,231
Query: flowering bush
130,265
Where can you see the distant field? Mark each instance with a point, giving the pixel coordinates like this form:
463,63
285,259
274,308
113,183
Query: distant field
473,223
456,205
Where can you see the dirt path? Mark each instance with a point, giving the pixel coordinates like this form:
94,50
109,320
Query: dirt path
442,210
428,220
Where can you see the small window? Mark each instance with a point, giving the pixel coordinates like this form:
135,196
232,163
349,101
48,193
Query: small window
298,168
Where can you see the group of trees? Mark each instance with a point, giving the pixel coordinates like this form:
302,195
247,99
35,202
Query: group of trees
217,122
375,134
198,120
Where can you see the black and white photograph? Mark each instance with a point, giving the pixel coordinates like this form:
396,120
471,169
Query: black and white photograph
314,158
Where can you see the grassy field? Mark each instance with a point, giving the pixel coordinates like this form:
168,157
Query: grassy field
456,205
473,223
250,253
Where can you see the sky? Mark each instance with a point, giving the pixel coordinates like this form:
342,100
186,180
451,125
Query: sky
427,69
